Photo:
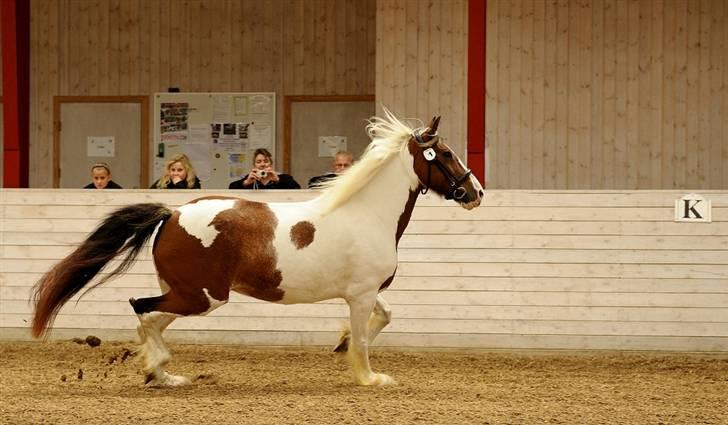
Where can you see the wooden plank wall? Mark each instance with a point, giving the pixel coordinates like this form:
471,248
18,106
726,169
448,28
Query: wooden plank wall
607,94
527,270
580,95
139,47
421,63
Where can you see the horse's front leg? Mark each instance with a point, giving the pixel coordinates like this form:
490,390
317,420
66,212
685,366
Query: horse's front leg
358,352
380,318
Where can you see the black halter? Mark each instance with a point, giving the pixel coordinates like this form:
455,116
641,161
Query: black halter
456,191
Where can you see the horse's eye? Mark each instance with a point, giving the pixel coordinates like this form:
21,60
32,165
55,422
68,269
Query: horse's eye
447,154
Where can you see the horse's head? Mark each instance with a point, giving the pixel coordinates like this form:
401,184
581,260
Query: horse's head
439,168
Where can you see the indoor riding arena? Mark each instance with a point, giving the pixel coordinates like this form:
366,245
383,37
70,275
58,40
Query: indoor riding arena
552,247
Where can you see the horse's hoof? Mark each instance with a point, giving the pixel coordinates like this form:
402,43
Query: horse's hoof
166,380
382,379
378,380
177,381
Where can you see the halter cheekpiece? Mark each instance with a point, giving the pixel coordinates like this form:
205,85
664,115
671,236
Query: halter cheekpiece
456,190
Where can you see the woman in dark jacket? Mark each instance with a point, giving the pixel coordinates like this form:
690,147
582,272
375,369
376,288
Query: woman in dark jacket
178,174
263,176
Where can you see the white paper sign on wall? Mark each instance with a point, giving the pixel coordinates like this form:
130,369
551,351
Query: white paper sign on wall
693,208
329,145
100,146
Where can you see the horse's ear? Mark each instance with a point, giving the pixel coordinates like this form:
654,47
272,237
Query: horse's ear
433,125
426,137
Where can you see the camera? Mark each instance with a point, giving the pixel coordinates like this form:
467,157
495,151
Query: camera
261,174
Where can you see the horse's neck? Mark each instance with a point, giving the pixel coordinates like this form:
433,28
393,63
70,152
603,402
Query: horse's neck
388,196
404,218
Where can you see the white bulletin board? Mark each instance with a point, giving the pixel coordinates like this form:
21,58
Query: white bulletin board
218,131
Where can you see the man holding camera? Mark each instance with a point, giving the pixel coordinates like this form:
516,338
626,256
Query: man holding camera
263,176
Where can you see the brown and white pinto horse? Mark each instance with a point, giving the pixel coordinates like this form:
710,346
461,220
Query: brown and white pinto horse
342,244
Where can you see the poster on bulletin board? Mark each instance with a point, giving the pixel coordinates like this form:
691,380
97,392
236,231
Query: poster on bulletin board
218,132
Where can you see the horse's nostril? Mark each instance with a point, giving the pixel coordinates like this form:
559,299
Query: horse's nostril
480,193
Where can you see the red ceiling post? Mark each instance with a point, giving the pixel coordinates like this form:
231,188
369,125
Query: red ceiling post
15,15
476,88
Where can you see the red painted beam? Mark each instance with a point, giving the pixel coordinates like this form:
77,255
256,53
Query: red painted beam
15,15
476,88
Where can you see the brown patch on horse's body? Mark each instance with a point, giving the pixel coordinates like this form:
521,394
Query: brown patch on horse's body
242,258
402,223
302,234
406,215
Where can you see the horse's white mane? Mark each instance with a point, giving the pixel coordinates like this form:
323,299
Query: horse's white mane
389,137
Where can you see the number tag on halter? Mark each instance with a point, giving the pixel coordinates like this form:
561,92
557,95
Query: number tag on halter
429,154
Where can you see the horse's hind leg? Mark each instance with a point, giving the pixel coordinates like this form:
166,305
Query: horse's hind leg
155,354
155,314
140,329
358,350
380,317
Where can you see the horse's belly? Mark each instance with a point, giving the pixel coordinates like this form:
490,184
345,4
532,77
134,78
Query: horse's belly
302,296
324,280
305,287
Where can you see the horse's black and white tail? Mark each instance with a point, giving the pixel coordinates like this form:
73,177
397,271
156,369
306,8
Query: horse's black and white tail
124,230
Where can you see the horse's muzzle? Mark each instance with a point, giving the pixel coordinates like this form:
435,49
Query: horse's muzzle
471,201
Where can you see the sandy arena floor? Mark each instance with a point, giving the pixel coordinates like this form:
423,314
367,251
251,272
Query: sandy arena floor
70,383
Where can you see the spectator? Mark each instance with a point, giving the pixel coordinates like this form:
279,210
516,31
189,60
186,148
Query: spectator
178,174
342,161
101,176
263,176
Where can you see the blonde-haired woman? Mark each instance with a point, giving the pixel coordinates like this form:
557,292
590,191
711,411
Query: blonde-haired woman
178,174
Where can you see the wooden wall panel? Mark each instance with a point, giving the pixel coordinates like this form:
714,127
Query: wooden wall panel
526,270
607,95
139,47
421,63
600,95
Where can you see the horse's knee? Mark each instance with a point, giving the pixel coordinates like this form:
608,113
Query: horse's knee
387,314
384,312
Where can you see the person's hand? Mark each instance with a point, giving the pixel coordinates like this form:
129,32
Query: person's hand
252,177
272,175
176,179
